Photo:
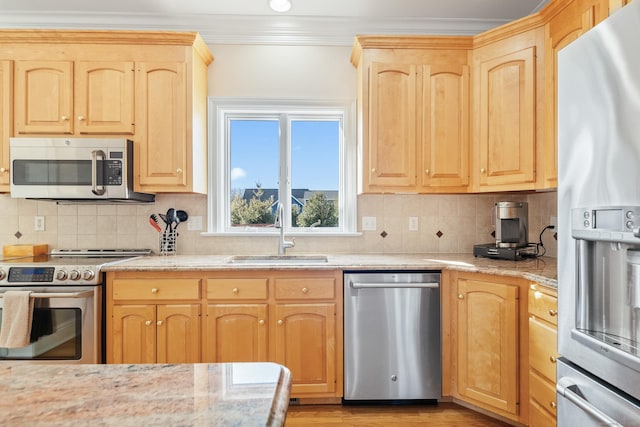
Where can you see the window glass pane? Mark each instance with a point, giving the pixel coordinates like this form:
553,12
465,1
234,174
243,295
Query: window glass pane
254,155
315,173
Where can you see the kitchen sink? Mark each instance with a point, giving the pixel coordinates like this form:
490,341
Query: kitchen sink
277,259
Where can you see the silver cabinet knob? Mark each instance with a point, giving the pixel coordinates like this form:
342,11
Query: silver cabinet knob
553,313
65,118
235,290
2,170
305,290
280,322
148,322
159,323
261,322
154,290
81,118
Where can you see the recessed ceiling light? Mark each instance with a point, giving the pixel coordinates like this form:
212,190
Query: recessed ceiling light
280,5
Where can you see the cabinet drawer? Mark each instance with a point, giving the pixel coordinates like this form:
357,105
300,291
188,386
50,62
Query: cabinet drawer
543,306
156,289
543,392
237,288
305,288
538,417
543,348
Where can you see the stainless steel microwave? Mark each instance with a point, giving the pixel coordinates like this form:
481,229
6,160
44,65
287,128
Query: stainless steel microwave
74,169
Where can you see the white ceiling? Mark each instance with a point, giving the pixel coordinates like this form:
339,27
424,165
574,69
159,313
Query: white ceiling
329,22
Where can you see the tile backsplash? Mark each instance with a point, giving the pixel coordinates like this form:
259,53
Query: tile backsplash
446,223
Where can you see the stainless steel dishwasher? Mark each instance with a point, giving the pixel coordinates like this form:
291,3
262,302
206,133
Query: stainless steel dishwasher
392,345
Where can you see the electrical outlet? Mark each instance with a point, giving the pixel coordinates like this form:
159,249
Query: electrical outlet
368,223
194,223
413,223
38,223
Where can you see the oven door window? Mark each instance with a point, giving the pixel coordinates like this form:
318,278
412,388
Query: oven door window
56,334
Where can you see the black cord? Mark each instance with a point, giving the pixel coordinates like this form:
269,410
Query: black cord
540,244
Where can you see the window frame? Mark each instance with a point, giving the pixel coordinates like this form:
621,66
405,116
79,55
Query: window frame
219,161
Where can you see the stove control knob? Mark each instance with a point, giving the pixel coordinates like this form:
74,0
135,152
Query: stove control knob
74,275
3,274
88,275
62,275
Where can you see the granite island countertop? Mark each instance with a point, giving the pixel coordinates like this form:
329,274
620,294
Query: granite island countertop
542,270
224,394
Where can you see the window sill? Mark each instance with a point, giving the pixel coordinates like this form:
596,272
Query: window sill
287,234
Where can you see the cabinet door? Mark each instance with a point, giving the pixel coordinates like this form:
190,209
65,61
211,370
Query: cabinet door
134,334
507,119
161,126
178,333
391,150
237,333
43,97
488,343
6,121
104,97
445,126
305,342
565,27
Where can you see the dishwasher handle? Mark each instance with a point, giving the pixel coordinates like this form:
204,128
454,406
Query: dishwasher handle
376,285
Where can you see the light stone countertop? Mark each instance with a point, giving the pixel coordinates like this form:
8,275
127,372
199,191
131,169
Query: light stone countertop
542,270
217,394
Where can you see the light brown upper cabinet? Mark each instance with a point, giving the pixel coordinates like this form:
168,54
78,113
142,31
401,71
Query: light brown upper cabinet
150,87
73,98
445,127
413,109
507,86
6,121
162,115
566,22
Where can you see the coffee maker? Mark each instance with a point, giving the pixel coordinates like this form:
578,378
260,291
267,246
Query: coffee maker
511,233
512,224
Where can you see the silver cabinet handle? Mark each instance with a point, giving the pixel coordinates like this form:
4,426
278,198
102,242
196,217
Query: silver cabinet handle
568,388
94,172
362,285
84,294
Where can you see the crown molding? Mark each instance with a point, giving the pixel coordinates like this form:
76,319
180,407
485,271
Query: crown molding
240,29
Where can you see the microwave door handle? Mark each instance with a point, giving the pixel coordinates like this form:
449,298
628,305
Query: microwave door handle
94,172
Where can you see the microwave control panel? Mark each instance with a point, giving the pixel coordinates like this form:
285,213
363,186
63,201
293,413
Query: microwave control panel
113,168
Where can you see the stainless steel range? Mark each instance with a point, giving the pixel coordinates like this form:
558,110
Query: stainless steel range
66,287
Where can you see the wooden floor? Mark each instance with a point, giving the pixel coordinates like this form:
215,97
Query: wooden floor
441,415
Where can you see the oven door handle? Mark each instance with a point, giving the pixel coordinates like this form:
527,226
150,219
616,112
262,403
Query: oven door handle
570,390
84,294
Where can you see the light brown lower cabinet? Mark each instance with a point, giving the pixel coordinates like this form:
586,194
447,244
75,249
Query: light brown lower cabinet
289,317
543,348
485,343
153,320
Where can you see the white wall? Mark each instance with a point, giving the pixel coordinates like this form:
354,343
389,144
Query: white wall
282,71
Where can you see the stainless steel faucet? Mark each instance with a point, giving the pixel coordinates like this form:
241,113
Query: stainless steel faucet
282,244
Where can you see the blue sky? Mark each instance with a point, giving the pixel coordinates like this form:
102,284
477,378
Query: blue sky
314,154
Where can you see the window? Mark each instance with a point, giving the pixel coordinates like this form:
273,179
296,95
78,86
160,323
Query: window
297,153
